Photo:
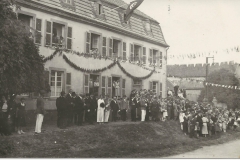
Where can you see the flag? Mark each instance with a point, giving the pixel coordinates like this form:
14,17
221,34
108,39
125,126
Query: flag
132,6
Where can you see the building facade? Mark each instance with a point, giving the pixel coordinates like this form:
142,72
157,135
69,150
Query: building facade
91,35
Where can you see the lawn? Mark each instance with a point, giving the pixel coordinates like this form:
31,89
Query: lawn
113,140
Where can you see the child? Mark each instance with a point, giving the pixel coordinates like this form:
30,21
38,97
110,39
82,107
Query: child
20,115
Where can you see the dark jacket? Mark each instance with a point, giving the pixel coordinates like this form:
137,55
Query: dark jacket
114,105
78,104
40,106
61,104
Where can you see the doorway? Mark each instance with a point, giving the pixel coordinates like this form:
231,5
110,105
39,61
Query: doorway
116,86
94,84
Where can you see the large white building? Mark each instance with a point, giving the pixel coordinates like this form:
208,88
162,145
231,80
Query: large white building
96,27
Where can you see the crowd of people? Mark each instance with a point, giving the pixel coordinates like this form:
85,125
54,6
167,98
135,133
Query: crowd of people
195,119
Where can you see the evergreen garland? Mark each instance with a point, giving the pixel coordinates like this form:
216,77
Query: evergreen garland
133,77
73,65
51,56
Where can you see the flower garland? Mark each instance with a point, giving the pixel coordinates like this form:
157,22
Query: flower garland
133,77
51,56
73,65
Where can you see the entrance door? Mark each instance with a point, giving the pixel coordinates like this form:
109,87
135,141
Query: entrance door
94,84
116,88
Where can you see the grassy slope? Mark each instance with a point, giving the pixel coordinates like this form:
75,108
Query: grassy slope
121,139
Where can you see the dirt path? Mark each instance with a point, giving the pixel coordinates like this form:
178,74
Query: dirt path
226,150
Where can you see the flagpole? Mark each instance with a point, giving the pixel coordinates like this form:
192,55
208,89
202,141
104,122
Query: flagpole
114,9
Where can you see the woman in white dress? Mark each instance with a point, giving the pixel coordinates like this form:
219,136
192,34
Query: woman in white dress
204,127
100,111
181,118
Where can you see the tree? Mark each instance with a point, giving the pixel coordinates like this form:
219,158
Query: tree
21,66
224,95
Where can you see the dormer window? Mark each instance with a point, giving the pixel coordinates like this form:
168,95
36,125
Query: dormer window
121,17
147,27
69,4
97,9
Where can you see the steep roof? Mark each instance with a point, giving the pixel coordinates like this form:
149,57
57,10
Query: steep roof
198,70
83,12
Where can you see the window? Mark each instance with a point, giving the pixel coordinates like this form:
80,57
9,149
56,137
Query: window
56,83
97,9
38,31
154,87
160,60
68,81
116,48
68,4
147,27
121,17
135,52
94,43
137,82
109,86
27,22
58,32
154,57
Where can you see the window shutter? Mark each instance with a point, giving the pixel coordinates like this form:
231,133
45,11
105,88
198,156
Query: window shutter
86,83
109,86
69,38
144,55
39,31
88,42
121,17
124,56
110,47
150,56
123,87
144,26
160,60
150,85
104,46
160,89
131,52
103,85
68,81
48,33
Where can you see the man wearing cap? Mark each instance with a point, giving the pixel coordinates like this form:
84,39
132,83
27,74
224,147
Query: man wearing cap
40,111
61,110
124,106
133,103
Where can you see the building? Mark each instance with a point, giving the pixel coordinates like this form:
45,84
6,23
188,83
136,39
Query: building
95,28
191,77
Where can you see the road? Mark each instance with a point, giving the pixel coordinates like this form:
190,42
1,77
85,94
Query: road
226,150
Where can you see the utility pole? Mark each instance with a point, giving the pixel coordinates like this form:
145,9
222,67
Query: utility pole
206,96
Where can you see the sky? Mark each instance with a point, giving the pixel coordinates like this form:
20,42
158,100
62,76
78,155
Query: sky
197,26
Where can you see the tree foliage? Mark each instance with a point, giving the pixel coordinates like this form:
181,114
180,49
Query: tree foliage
21,66
223,95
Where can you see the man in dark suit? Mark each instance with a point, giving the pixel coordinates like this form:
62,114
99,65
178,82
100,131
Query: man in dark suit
133,103
78,109
61,104
114,107
91,106
70,104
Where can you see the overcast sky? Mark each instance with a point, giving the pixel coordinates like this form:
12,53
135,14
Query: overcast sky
196,25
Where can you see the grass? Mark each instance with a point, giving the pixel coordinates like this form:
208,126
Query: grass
113,140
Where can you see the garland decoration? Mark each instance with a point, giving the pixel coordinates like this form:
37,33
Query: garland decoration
73,65
51,56
133,77
223,86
